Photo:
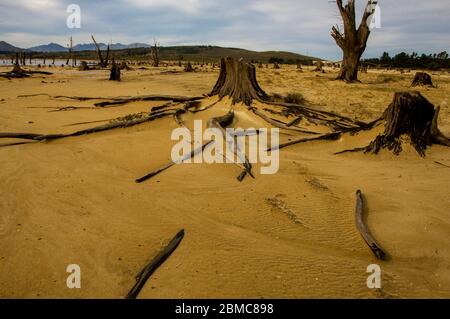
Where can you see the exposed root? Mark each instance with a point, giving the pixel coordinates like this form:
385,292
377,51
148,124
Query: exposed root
277,123
97,129
331,136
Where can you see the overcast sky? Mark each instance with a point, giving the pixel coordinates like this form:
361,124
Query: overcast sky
301,26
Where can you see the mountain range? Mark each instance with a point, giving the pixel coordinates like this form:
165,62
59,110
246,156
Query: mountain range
197,53
55,47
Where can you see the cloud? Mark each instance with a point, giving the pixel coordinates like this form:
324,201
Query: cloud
301,26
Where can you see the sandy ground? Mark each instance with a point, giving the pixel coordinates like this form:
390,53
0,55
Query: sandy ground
74,201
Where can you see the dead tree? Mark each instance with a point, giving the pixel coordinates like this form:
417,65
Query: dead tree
237,80
422,79
352,40
71,54
410,117
154,54
102,62
115,71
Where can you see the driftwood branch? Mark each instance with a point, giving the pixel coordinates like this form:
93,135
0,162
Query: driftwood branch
172,163
97,129
145,274
331,136
360,225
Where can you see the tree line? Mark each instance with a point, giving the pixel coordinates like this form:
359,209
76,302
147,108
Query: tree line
431,62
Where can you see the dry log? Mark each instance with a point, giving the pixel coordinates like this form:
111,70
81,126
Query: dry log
172,163
145,274
97,129
360,225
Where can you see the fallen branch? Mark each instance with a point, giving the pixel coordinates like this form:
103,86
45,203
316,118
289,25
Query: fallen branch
277,123
122,101
172,163
154,264
97,129
439,163
331,136
368,238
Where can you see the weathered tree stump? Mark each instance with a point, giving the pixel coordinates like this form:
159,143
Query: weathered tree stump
319,66
84,66
124,66
188,67
115,72
413,116
422,79
237,80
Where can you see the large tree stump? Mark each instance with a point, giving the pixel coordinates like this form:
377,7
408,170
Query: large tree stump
422,79
413,116
237,80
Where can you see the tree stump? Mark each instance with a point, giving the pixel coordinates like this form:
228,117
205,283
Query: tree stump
84,66
115,72
188,67
422,79
319,66
124,66
237,80
413,116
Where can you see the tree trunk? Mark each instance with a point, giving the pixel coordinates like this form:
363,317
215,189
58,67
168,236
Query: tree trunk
237,80
350,66
411,115
353,40
115,72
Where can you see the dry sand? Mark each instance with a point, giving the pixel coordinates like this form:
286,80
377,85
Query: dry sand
74,201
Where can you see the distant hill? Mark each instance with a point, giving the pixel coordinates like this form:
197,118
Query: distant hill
51,47
6,47
140,51
114,46
214,53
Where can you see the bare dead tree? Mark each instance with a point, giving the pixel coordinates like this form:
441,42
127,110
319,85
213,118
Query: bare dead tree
154,53
352,40
71,54
102,62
